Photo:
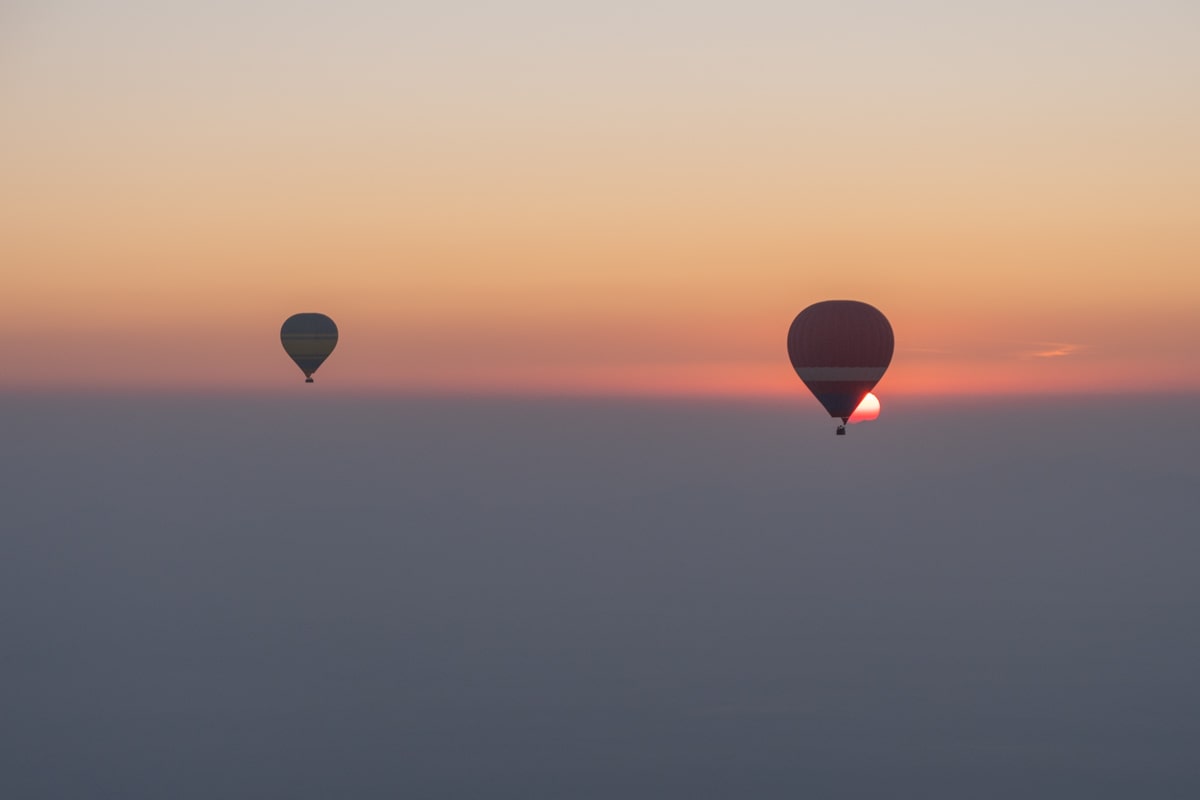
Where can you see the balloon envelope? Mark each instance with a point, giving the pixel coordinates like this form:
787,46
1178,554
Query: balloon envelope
840,349
308,339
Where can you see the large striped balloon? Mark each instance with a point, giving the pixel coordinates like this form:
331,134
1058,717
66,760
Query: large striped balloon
308,339
840,349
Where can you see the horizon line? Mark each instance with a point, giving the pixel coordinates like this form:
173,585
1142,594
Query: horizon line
432,393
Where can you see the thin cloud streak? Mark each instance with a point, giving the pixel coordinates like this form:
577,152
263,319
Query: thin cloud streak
1055,350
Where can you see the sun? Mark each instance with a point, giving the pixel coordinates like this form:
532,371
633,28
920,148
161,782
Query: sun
867,410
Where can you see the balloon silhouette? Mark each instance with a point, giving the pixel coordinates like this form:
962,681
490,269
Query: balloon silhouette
840,349
308,339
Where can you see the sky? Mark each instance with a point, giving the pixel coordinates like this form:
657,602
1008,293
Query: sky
598,198
307,596
557,518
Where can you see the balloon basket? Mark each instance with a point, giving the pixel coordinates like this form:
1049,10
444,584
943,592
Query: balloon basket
308,380
841,431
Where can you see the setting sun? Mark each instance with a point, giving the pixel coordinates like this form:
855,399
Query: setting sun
867,410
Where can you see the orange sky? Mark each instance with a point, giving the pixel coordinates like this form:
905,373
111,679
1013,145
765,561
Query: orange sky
599,200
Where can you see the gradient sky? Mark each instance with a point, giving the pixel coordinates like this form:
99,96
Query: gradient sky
580,197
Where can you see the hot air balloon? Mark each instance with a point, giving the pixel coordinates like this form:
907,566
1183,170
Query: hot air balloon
308,339
840,349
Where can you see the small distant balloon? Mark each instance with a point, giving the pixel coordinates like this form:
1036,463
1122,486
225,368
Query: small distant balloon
840,349
308,339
